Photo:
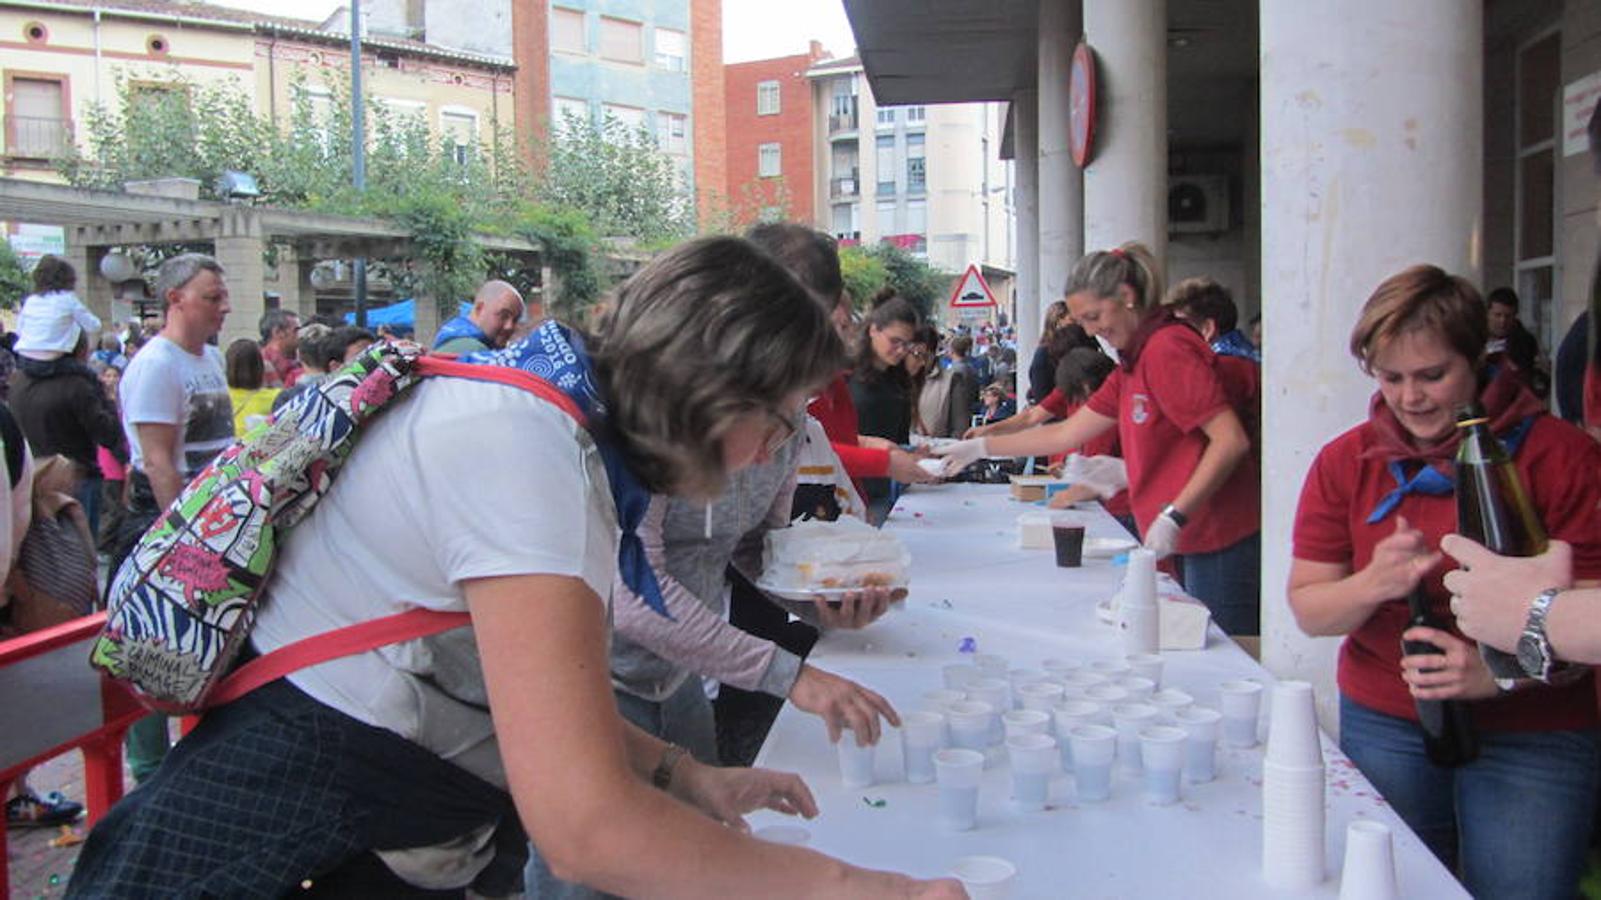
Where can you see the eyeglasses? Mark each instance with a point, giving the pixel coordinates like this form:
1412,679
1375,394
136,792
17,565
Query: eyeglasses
918,352
781,430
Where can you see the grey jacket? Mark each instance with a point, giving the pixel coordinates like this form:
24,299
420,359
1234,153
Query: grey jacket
652,655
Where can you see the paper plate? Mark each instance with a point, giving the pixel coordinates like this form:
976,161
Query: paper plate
1102,548
789,592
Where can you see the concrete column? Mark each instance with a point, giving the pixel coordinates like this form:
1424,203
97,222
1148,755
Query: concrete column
1125,187
1061,181
1372,160
1025,167
427,319
239,249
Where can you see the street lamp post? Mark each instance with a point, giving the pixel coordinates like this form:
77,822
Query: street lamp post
358,150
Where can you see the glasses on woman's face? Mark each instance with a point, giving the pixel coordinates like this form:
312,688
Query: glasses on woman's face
781,430
918,352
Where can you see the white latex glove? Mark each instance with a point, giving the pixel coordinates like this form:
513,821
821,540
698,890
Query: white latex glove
1106,475
1163,536
962,454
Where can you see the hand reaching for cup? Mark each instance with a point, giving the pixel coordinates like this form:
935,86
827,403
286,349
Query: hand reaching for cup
842,704
962,454
903,467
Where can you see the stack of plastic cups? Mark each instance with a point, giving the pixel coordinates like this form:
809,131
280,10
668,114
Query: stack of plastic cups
1146,665
1130,718
1033,757
998,694
1040,695
1070,714
1200,746
1293,792
1136,614
922,733
1369,872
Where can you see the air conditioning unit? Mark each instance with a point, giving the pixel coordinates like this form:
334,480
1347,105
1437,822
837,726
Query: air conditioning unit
1197,204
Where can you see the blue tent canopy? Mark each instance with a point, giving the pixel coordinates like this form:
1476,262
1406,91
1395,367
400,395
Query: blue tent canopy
401,313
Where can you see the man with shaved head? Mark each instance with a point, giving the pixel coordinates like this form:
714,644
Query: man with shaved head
497,308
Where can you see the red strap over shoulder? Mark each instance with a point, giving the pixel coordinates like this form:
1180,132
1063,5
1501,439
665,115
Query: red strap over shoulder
346,641
517,378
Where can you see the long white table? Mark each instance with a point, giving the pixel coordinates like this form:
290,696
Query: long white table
970,580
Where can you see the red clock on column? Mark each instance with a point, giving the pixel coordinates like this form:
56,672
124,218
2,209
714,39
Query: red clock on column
1082,102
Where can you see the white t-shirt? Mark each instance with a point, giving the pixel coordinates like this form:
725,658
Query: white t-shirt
461,480
50,323
166,384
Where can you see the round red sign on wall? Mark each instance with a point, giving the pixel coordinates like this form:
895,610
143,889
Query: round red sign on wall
1082,102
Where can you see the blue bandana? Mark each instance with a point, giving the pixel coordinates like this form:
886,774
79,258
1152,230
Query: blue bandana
557,355
1431,481
460,327
1234,343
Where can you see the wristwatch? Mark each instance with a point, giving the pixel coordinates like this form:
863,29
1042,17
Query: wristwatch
1172,512
1534,648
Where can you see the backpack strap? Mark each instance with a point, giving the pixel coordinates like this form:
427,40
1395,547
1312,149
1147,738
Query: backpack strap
319,648
403,626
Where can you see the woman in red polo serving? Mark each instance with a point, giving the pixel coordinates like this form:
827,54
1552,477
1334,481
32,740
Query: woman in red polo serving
1192,479
1378,498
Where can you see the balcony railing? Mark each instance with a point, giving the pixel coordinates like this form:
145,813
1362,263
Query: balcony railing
886,189
848,186
34,137
843,119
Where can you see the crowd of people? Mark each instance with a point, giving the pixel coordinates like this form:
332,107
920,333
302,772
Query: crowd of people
732,386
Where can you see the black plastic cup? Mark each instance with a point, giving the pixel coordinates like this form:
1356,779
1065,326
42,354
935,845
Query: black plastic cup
1069,544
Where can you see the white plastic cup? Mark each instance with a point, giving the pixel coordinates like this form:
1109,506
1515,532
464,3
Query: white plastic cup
922,734
1369,871
957,675
936,701
1082,679
1033,757
992,665
1294,814
1094,746
1168,702
1200,726
1018,722
1040,695
1058,668
1146,665
998,694
985,877
1070,714
1107,695
1242,704
1129,719
1162,753
958,773
1019,677
1110,668
855,763
1292,738
969,722
1139,689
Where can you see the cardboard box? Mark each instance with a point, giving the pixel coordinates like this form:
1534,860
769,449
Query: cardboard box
1029,488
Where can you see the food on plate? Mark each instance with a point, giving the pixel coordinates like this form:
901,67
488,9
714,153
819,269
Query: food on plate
844,554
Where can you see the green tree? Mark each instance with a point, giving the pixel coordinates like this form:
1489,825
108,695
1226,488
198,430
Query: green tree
14,281
869,269
620,179
864,273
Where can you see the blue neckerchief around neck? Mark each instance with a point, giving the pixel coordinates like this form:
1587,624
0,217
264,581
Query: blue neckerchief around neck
557,355
460,327
1432,481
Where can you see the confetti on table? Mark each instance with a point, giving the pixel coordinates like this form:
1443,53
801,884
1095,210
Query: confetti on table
967,645
945,603
67,838
917,515
875,802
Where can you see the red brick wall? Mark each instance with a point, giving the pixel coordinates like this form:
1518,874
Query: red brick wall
530,23
791,128
706,87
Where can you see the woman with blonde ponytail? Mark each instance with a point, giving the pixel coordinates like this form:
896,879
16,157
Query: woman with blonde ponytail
1192,476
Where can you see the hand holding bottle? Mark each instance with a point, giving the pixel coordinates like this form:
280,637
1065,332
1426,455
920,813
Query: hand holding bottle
1457,672
1491,593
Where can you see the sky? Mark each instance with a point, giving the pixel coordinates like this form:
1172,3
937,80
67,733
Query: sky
752,29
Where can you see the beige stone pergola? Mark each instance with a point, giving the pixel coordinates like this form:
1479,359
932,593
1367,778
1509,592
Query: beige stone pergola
97,220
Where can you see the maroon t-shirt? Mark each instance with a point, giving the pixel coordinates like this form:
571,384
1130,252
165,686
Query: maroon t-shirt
1560,466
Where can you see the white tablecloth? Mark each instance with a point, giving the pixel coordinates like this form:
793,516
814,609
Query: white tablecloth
970,579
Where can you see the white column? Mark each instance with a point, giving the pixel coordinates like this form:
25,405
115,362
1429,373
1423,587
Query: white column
1061,181
1025,165
1125,186
1371,160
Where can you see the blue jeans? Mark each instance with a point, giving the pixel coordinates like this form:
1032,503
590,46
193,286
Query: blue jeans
1513,823
1229,582
684,718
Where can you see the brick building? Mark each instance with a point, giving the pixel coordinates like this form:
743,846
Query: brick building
771,151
